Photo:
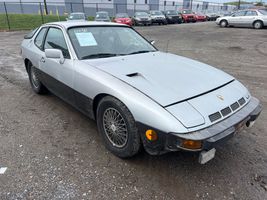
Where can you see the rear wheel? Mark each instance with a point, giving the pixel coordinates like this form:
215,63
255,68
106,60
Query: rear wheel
36,84
257,24
118,128
223,23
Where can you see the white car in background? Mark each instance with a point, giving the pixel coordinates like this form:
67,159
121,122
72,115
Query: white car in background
78,16
256,18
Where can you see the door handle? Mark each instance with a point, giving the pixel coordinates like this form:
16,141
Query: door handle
42,60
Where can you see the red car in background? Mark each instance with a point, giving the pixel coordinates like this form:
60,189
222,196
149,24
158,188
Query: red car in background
188,16
201,17
123,18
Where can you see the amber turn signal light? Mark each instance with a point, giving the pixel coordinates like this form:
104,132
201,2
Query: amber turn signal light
191,144
151,135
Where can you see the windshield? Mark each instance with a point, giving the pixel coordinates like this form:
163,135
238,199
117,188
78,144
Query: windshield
122,15
264,12
76,16
155,13
102,15
171,12
98,42
187,11
141,14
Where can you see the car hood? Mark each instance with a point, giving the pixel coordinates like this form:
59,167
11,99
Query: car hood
188,15
123,19
166,78
156,16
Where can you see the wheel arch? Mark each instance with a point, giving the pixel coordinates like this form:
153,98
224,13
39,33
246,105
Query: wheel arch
26,62
257,20
96,101
223,20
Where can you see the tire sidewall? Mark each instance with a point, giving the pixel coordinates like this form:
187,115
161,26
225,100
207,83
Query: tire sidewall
223,23
36,89
129,149
260,25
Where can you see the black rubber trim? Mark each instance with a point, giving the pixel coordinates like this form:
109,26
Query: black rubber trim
76,99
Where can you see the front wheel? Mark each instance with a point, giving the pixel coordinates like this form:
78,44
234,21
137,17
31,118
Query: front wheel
117,127
223,23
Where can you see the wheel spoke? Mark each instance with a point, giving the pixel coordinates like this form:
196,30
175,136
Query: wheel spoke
115,127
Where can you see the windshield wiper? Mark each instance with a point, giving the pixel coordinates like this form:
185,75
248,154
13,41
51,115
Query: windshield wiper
99,55
137,52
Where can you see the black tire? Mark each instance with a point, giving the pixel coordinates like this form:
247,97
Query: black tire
132,144
258,24
223,23
36,84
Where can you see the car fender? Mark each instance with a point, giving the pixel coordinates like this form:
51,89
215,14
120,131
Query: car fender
91,81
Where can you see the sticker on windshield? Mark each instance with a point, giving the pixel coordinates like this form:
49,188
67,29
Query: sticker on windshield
86,39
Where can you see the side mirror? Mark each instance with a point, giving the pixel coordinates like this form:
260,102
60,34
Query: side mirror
152,42
55,54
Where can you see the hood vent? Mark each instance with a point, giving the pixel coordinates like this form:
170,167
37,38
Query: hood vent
132,74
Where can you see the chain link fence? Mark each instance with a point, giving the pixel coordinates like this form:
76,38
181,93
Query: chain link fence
27,15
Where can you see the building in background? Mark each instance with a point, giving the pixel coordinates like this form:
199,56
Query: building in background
90,7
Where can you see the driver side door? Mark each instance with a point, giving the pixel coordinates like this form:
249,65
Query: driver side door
58,76
237,18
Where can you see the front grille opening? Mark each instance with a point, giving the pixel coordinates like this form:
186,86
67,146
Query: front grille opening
241,101
235,106
215,116
226,111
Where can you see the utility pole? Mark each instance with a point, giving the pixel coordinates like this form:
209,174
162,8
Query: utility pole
239,4
45,7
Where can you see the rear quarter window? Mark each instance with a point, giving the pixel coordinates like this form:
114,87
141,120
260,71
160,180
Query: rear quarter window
31,34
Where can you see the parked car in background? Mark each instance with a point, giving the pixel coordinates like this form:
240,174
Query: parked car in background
172,103
256,18
141,18
77,16
123,18
188,16
102,16
211,16
157,17
173,17
201,17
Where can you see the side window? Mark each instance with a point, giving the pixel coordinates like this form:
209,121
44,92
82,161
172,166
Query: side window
55,40
39,38
241,13
251,13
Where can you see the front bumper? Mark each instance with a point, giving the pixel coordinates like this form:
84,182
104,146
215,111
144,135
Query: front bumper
174,20
143,22
159,20
210,137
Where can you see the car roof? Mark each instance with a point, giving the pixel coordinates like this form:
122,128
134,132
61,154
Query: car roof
69,24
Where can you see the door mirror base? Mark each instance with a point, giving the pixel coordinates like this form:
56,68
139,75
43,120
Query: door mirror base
55,54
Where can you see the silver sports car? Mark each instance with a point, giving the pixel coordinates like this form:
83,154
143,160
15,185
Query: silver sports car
138,95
